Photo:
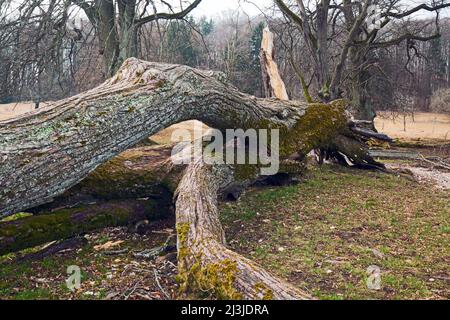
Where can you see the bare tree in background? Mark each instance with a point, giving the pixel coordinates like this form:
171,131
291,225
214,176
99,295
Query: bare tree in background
359,27
116,22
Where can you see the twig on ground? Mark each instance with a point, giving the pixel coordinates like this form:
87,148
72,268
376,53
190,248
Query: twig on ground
159,284
439,164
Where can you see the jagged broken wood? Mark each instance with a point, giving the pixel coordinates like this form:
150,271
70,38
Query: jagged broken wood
48,151
273,84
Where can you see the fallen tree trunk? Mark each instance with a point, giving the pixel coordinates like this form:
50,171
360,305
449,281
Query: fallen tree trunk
151,180
45,152
273,84
144,172
66,223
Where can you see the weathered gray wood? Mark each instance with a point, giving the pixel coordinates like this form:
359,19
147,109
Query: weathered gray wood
48,151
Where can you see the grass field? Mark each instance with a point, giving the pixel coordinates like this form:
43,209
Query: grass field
323,234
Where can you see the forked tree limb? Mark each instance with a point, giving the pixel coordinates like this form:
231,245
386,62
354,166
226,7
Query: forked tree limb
46,152
205,263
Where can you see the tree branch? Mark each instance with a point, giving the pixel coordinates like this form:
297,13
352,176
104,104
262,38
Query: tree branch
168,16
422,6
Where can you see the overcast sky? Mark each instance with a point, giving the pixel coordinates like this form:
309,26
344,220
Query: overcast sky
211,8
215,7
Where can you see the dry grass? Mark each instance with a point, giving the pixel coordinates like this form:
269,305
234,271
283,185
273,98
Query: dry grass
424,126
103,276
323,234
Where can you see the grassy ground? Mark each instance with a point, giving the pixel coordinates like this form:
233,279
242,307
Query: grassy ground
323,234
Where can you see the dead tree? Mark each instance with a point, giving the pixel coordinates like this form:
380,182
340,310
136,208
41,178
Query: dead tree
273,84
48,151
359,27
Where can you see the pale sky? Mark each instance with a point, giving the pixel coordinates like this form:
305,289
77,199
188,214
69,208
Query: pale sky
211,8
214,7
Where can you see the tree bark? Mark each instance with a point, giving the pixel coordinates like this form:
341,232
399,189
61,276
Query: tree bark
144,172
104,20
205,263
359,82
273,84
136,185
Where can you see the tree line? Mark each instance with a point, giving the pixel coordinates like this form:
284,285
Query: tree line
376,53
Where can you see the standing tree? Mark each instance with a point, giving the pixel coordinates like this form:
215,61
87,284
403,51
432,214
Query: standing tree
359,27
116,22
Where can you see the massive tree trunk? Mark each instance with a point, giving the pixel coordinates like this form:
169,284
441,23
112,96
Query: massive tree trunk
46,152
137,185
